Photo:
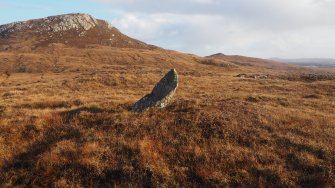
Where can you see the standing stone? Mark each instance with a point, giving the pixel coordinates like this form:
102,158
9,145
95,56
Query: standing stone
161,95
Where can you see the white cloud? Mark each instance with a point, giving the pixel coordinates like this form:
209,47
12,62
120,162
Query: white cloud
264,28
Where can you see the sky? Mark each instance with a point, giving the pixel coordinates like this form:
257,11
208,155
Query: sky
258,28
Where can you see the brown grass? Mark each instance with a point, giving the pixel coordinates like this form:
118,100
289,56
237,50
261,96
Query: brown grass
74,129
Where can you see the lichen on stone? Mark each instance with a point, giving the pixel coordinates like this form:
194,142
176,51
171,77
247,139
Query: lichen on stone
161,94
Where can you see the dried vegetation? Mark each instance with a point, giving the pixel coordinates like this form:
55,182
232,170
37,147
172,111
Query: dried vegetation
66,123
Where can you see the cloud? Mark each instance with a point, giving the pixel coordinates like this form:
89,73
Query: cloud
262,28
146,27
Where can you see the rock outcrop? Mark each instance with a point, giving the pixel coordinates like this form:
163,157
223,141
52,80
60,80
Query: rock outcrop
53,24
75,30
161,95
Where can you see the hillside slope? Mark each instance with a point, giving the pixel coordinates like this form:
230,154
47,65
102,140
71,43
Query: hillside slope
76,30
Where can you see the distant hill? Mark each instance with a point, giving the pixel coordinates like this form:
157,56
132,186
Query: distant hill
250,62
309,62
76,30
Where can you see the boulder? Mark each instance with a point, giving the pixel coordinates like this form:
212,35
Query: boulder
161,95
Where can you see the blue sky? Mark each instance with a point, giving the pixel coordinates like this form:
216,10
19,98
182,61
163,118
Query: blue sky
260,28
14,10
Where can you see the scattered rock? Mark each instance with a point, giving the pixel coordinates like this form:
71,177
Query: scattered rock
241,75
263,76
312,96
254,76
308,77
316,77
252,99
161,95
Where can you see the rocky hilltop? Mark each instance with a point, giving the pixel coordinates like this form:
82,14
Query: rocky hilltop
53,24
79,30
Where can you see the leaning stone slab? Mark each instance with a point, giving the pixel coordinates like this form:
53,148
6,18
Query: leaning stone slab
161,95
